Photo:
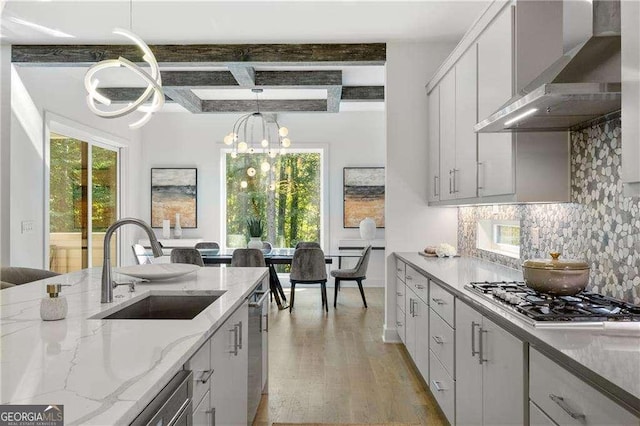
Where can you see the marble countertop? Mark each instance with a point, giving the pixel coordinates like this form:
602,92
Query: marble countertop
106,371
607,357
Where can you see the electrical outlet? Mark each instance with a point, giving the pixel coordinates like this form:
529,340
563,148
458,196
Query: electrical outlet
535,238
27,226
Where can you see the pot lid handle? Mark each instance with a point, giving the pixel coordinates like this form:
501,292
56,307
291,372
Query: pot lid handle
555,255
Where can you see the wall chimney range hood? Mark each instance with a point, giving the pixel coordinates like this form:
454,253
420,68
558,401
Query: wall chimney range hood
584,84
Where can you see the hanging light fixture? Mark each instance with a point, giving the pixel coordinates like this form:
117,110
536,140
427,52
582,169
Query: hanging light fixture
252,133
152,92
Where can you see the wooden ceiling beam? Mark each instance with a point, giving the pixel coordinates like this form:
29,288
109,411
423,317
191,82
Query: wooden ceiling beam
267,105
363,93
206,54
298,78
245,75
186,98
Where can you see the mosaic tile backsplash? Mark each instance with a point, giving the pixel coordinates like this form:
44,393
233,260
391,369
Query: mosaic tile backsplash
599,225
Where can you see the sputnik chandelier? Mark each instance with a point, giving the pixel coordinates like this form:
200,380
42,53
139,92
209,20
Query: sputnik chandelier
152,92
254,133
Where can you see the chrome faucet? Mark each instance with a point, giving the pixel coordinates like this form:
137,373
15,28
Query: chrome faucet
107,283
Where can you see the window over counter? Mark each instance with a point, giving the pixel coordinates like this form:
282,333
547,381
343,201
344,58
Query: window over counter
499,236
287,196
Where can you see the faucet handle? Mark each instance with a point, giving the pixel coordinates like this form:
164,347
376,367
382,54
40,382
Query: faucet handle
131,284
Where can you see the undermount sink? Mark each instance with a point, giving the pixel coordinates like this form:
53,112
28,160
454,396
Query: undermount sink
170,307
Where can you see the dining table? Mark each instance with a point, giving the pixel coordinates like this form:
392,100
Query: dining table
272,257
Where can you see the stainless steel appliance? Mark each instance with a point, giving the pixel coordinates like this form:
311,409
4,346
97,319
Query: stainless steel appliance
543,310
258,347
172,406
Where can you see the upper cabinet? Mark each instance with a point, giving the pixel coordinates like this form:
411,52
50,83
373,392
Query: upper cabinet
497,57
630,21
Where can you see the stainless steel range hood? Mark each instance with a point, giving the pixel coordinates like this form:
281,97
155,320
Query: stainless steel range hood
582,85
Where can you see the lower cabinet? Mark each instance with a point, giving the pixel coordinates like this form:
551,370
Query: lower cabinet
490,369
220,374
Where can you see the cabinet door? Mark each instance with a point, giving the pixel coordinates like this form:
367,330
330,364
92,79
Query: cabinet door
400,321
465,171
496,162
630,21
230,363
433,102
410,322
203,414
447,134
502,376
421,312
468,368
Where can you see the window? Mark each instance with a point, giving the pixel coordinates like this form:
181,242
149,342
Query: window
288,197
499,236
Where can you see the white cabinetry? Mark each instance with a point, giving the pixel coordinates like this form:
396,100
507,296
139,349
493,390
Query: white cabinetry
400,300
489,371
433,100
447,135
630,21
567,400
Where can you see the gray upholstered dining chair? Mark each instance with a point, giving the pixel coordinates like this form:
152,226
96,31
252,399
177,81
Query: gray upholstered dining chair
307,244
140,253
357,274
186,255
246,257
17,275
207,245
308,267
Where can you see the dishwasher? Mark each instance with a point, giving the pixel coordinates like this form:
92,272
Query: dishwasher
172,406
258,347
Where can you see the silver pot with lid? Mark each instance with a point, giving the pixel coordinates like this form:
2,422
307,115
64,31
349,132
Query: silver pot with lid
555,276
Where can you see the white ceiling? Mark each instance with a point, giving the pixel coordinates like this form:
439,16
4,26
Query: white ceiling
238,21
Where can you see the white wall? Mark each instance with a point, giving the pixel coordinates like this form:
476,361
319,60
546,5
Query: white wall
411,224
35,91
185,140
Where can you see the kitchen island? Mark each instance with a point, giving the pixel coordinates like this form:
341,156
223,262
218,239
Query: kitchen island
605,357
107,371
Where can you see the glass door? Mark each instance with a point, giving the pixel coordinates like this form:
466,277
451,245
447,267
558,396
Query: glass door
83,202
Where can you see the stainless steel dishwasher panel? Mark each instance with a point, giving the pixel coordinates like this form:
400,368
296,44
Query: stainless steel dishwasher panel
172,406
258,309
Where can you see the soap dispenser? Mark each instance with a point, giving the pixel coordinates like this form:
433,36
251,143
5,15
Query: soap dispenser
54,307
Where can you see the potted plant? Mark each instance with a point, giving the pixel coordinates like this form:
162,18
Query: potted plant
255,227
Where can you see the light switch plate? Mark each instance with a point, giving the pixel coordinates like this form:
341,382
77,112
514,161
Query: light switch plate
535,238
27,226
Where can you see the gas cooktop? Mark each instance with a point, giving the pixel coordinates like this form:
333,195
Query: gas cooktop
542,310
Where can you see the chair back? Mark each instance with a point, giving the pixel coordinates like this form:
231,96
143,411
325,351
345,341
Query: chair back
363,263
249,258
140,253
308,264
207,245
307,244
186,255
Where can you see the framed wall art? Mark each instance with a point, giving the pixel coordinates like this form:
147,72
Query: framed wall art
174,191
363,195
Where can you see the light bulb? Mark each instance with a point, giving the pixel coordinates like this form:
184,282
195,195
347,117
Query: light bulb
265,166
251,150
251,171
228,140
234,154
272,153
264,143
286,142
243,184
283,131
272,187
242,147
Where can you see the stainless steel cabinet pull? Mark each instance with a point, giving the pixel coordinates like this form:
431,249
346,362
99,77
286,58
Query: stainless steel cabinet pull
235,340
455,181
480,179
206,375
409,278
438,301
481,360
450,182
415,314
259,302
419,287
436,384
473,338
411,306
435,186
438,340
240,333
398,324
563,404
266,322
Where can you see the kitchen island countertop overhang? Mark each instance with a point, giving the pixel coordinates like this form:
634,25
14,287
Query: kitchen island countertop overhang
106,371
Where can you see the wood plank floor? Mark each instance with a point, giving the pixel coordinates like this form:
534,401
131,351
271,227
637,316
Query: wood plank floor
334,368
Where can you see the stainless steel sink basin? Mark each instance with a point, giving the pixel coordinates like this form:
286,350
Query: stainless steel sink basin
164,307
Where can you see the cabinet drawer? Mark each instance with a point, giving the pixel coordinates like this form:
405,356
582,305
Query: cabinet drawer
567,400
200,365
442,341
400,323
441,301
537,417
400,290
442,387
418,283
400,269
